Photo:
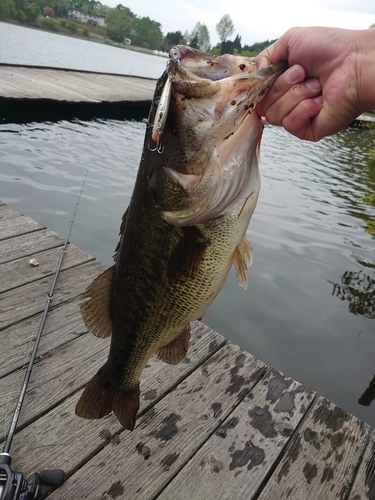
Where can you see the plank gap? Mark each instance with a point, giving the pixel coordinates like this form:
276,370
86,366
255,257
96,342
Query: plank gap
288,444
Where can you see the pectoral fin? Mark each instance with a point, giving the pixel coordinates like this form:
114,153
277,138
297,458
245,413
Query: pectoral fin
175,351
242,259
188,254
96,309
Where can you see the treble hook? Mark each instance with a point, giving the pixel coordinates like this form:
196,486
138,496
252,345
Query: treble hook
159,148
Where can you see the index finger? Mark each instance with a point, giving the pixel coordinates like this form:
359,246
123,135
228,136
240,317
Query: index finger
264,58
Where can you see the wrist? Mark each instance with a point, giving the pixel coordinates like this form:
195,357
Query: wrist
365,69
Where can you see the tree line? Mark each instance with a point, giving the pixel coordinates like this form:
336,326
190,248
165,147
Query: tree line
122,23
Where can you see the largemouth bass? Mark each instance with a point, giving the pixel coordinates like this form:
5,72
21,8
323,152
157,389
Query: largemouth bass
196,189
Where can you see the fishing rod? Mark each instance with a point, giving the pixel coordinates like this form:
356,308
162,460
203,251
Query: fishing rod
13,485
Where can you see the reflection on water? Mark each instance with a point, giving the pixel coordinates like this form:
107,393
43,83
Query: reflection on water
358,288
369,395
307,234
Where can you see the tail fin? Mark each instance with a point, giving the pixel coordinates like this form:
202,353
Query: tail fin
99,398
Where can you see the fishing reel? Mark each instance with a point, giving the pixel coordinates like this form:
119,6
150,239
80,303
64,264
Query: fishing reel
13,485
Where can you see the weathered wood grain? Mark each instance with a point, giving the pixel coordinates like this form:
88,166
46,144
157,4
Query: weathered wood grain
169,434
30,299
22,82
27,244
54,377
322,459
60,439
19,272
12,223
63,323
364,485
236,460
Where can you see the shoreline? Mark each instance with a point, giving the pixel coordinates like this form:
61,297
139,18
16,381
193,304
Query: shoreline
80,36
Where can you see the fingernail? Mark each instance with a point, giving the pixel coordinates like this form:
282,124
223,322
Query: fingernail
319,99
313,84
293,75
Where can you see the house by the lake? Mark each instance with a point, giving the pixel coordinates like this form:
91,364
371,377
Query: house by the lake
79,16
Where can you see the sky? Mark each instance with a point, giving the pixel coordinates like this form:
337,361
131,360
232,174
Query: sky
254,20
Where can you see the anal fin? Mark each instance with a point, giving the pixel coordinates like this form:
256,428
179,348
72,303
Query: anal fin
175,351
99,398
242,259
95,307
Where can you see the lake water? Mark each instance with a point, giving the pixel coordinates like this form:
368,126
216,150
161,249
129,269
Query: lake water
309,308
20,45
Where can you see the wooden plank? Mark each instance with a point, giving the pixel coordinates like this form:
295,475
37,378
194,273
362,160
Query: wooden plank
364,485
19,272
26,244
18,82
140,464
237,459
322,459
12,223
23,302
54,377
63,324
59,439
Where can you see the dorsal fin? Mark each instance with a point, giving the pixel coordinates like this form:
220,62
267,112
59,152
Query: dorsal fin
121,232
96,306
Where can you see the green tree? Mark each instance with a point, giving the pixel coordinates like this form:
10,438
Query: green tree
172,39
32,11
18,4
258,46
147,34
225,28
200,37
21,16
6,9
60,7
120,23
193,42
230,47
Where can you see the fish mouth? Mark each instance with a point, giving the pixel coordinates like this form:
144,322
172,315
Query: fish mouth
207,132
194,74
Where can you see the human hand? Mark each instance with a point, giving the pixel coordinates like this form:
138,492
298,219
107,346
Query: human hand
320,93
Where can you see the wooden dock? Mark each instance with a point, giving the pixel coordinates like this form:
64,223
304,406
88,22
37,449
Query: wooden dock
55,84
29,93
37,93
220,425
